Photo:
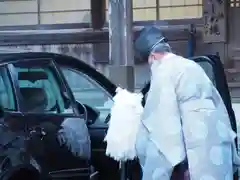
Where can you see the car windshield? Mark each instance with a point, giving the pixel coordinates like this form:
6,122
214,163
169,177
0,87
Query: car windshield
40,90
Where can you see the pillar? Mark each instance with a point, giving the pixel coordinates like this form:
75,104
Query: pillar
121,52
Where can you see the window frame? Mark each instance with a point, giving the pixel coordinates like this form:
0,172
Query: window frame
38,61
88,78
13,88
91,80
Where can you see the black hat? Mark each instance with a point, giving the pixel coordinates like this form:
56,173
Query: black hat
148,37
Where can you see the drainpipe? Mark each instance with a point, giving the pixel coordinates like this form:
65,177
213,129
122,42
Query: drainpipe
98,14
192,41
98,18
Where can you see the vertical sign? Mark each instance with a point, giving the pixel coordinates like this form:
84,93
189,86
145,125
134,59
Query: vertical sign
215,21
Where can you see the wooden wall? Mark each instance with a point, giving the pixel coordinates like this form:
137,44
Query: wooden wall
32,12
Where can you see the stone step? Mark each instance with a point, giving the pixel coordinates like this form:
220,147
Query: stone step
236,62
236,58
234,84
236,100
228,64
232,74
232,71
234,88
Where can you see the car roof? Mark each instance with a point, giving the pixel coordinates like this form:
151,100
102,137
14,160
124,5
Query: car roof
72,62
7,56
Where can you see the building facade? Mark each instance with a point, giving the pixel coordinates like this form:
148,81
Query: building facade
216,22
33,12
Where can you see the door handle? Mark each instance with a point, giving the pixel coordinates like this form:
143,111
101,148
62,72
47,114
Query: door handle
38,131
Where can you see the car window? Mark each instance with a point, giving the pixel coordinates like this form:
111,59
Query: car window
6,90
89,92
41,90
207,67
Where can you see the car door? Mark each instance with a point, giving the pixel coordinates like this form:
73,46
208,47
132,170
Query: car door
218,77
55,133
7,103
93,89
215,71
91,94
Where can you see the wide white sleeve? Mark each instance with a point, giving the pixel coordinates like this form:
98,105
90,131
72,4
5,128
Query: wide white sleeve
162,120
206,127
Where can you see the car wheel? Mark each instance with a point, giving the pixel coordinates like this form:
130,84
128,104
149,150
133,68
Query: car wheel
17,173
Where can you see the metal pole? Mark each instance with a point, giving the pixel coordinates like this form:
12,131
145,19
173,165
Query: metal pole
115,43
121,52
127,33
120,32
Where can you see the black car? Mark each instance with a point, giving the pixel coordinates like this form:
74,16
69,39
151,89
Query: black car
40,93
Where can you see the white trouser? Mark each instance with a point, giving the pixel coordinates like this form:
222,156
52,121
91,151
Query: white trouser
154,165
205,163
211,162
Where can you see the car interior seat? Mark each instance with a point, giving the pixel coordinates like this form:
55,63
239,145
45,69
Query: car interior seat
35,99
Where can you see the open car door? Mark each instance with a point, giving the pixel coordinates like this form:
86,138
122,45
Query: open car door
215,71
213,67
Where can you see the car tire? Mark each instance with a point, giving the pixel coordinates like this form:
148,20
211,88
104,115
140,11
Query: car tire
21,172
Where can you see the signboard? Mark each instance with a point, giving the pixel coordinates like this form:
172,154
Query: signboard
215,21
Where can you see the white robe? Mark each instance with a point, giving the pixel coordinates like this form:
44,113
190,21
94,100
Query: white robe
184,117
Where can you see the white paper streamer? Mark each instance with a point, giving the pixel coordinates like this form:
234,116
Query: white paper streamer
124,125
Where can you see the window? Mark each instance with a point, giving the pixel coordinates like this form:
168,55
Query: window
7,100
15,12
64,12
41,89
180,9
89,92
207,67
144,14
235,3
144,10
